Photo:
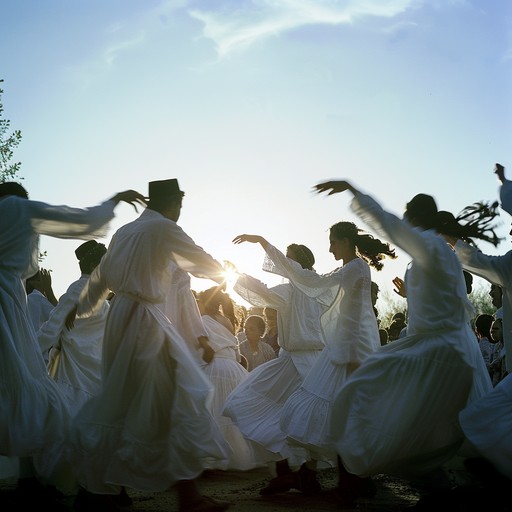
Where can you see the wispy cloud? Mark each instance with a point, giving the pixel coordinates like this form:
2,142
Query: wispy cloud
235,25
111,52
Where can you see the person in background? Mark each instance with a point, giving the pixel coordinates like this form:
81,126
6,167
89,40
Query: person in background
253,348
271,332
498,367
256,404
483,323
34,415
496,295
75,355
226,373
40,300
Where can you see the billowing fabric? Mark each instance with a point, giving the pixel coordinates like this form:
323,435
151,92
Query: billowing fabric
75,356
398,412
39,308
255,358
350,332
505,195
256,404
182,310
487,424
497,270
225,373
151,424
33,412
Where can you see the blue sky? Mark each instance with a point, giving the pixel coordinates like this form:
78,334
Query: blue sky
250,103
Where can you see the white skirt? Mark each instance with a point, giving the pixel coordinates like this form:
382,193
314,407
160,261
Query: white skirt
226,373
256,405
487,424
398,412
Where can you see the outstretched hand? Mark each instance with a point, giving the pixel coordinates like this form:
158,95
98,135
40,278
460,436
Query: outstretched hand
333,187
253,239
132,197
400,287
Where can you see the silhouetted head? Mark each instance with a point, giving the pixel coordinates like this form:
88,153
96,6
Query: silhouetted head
11,188
165,196
421,211
301,254
89,255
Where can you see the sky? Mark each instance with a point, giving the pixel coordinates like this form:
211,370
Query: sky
250,104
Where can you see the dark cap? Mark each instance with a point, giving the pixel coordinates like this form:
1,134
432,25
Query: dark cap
164,188
89,249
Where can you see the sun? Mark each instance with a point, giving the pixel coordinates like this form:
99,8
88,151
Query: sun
230,274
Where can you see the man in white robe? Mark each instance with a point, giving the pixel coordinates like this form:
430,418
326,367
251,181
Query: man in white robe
151,426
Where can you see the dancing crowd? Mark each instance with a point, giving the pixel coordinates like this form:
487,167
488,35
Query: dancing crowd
133,380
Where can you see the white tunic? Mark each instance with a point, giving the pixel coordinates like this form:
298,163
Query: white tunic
33,413
497,270
75,357
151,424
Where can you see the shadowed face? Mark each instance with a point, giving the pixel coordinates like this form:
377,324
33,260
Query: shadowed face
338,247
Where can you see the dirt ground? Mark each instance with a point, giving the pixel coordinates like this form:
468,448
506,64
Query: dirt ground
454,489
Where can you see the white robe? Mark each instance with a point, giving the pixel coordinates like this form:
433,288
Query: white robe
398,412
497,270
33,412
75,355
151,425
487,424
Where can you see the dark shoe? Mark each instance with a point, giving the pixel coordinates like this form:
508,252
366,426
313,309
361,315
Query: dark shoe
30,493
281,483
308,484
207,504
368,488
122,499
282,467
86,501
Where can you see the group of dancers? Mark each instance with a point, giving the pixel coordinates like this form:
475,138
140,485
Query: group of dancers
163,409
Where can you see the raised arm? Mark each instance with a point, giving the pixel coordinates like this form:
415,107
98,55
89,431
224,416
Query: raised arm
335,187
131,197
253,239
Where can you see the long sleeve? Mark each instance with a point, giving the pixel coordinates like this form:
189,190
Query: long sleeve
50,332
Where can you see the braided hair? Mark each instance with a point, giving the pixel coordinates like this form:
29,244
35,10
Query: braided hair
304,256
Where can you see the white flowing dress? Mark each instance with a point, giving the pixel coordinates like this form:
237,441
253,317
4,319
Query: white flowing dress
487,424
398,412
350,332
256,404
225,372
33,412
151,424
75,355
